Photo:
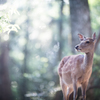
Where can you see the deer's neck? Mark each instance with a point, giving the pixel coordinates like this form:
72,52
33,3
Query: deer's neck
88,60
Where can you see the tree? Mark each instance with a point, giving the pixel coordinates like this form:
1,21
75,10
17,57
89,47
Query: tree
60,27
5,28
25,69
5,85
80,20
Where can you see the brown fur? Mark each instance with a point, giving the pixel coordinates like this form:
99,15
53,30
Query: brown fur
75,70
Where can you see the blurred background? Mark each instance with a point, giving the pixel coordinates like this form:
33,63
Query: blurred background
34,36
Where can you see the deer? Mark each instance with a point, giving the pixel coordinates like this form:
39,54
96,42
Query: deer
75,71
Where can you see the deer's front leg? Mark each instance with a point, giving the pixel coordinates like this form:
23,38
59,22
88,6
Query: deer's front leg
75,89
84,87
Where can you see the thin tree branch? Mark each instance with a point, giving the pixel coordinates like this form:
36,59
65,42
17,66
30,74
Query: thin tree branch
93,87
97,42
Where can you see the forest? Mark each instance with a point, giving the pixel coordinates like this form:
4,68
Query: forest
34,36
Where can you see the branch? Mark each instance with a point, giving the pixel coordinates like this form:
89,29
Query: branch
97,42
93,87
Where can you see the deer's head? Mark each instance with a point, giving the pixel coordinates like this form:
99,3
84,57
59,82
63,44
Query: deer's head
87,44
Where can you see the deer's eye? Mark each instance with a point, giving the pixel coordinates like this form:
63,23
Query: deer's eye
87,42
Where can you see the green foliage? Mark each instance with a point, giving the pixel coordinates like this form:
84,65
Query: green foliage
96,69
96,60
95,13
96,75
5,19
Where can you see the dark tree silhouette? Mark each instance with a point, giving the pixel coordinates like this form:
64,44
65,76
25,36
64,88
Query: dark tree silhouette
5,84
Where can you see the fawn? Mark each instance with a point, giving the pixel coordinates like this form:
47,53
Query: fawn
75,70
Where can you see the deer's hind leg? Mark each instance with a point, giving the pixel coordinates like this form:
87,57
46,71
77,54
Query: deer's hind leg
75,89
69,91
66,90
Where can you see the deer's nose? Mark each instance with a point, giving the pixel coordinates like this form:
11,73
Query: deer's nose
76,47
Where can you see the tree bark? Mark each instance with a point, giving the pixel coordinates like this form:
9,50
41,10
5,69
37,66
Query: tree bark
5,84
80,20
60,27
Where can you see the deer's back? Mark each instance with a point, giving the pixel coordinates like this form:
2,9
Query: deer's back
71,68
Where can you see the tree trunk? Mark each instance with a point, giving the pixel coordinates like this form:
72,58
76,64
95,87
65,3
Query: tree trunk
24,86
60,27
5,84
25,69
3,1
98,40
80,20
58,96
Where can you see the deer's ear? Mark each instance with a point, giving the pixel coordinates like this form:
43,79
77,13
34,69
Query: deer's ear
81,37
94,36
